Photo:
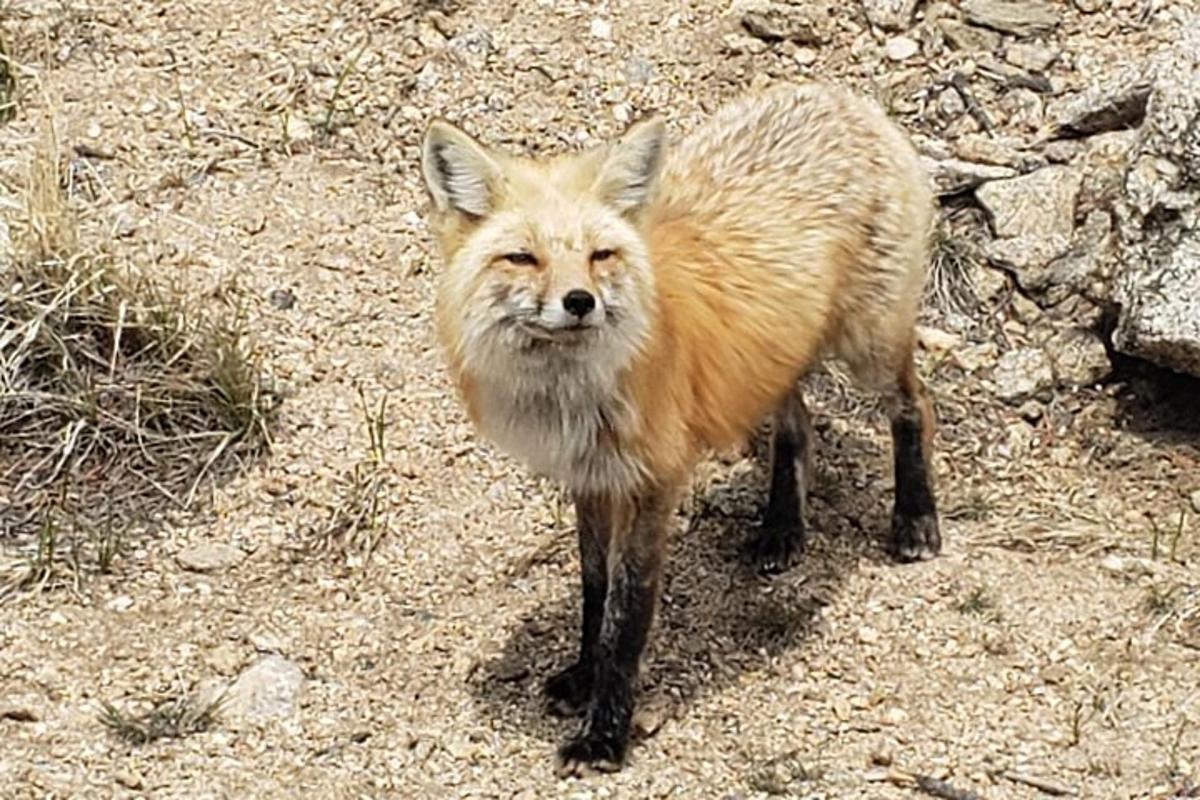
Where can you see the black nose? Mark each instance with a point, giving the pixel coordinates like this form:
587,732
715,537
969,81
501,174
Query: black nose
579,302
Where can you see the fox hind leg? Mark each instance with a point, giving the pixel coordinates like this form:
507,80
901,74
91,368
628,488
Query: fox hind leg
781,539
915,535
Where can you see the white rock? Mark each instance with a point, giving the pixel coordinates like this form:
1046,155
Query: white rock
209,557
270,689
601,28
901,48
805,56
1158,286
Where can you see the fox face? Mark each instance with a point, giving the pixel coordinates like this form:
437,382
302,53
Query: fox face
545,261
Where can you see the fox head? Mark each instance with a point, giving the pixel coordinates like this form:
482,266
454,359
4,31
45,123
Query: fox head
544,259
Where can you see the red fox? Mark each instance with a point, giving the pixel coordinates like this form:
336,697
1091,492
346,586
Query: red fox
611,316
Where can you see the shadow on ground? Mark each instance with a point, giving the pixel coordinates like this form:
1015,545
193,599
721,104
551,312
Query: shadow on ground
718,619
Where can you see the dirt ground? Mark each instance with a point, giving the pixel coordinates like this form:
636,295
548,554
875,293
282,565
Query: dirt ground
1053,640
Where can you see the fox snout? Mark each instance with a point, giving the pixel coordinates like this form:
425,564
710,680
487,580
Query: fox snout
576,307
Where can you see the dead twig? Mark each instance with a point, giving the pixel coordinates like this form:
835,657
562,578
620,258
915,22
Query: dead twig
1047,785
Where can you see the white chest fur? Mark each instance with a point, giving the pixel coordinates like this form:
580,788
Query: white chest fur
563,421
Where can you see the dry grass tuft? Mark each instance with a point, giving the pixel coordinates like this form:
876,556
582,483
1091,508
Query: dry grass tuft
356,524
782,775
117,400
957,258
8,84
174,717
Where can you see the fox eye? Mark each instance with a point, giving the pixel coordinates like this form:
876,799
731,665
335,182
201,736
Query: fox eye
602,254
521,259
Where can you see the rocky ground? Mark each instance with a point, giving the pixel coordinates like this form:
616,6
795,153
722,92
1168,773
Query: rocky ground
266,154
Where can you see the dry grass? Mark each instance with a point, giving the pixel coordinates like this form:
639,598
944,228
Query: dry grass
356,523
117,401
8,85
956,259
179,714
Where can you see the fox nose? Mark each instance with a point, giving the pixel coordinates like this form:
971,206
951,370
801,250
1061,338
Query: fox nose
579,302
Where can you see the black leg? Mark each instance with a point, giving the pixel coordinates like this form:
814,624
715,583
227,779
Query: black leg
781,539
633,587
570,690
915,535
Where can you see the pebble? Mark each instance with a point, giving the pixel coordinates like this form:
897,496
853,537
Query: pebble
1195,498
601,29
805,56
901,48
209,557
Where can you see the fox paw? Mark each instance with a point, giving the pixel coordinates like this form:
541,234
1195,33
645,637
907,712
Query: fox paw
569,690
915,538
590,753
775,549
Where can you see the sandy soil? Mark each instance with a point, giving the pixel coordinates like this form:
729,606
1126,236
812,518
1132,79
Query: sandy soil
1046,640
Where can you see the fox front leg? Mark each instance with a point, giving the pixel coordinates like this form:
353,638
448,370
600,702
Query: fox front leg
570,690
634,577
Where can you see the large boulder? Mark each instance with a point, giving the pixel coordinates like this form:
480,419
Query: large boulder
1158,283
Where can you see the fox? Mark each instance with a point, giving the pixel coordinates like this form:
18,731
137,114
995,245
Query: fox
612,315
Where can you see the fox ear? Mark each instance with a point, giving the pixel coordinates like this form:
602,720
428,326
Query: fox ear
630,170
459,172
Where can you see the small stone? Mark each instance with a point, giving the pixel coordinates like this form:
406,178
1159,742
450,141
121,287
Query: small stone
1109,105
600,29
1113,564
1018,17
935,340
428,77
648,720
890,15
1055,674
121,602
1021,374
950,104
209,557
778,22
1031,411
805,56
639,70
472,48
1195,499
266,641
961,36
895,716
882,757
128,778
1090,6
902,48
282,299
298,130
269,689
1032,57
868,635
1079,358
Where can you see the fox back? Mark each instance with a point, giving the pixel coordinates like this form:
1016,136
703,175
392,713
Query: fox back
610,315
